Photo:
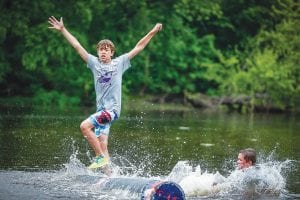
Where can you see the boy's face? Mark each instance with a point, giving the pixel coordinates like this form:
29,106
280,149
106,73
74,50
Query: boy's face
242,163
105,54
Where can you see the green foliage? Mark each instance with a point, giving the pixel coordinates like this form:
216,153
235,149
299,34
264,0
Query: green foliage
46,98
270,73
228,48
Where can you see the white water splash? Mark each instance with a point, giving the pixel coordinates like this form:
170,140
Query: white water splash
76,178
266,178
192,180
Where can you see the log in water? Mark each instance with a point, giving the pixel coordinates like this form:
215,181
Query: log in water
145,188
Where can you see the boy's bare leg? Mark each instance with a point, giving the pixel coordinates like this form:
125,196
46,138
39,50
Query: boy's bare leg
103,139
87,131
103,142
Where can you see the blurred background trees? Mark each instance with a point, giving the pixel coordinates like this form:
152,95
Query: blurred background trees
217,48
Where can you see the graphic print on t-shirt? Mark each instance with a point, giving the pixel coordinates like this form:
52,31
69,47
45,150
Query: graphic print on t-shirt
105,79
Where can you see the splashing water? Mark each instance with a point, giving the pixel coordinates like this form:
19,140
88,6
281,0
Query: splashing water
73,181
262,180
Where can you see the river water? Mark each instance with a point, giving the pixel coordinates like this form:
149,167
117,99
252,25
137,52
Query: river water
43,154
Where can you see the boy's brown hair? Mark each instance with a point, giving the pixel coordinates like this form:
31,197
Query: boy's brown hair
249,155
106,43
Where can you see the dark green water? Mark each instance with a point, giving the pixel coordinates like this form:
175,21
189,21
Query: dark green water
149,141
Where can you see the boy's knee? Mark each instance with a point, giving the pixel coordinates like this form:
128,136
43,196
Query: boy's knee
84,127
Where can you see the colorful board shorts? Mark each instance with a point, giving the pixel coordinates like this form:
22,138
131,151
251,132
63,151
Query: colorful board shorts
102,121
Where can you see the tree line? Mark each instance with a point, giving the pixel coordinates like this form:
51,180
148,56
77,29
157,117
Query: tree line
216,48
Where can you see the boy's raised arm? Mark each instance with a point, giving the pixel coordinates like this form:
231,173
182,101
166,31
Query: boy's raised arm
144,41
59,25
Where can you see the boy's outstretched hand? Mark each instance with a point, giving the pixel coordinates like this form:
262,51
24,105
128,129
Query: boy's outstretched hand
157,27
58,25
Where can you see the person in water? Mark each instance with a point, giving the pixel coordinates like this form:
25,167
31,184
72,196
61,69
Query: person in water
246,158
196,183
107,74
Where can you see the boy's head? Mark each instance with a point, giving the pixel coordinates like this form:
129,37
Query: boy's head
105,50
246,158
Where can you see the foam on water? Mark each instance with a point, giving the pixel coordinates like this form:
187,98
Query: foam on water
263,179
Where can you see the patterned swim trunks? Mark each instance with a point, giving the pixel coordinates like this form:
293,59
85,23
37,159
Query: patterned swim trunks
102,121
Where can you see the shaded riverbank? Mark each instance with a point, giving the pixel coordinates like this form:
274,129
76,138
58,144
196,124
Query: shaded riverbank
240,104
